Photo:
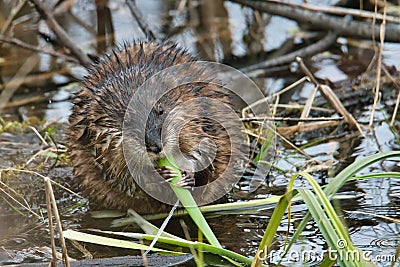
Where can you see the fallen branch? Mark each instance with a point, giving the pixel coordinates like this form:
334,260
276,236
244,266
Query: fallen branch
308,51
291,119
342,11
342,26
382,34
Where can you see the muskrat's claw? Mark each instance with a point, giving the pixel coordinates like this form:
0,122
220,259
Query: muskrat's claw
187,180
167,173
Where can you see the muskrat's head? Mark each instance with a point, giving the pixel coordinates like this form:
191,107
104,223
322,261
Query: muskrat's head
153,130
173,126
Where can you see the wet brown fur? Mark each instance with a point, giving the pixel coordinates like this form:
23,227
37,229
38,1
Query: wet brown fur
95,135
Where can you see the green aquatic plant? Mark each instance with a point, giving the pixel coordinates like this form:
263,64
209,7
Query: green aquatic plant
317,199
321,210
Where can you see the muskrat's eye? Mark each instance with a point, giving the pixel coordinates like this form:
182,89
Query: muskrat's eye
159,110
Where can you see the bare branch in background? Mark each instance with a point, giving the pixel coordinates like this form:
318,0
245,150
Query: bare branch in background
10,18
11,86
59,31
140,20
308,51
342,26
17,42
342,11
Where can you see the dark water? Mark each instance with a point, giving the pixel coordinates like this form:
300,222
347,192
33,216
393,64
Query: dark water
216,31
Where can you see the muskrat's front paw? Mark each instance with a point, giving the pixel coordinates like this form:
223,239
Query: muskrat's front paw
187,180
169,173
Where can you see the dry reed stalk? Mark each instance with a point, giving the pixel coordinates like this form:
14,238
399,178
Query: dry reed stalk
51,228
331,97
379,66
396,85
396,108
52,199
306,127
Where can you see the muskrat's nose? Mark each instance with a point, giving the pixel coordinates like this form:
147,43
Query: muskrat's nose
153,141
154,148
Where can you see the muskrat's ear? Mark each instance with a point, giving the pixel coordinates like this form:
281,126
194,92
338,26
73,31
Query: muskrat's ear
197,88
94,58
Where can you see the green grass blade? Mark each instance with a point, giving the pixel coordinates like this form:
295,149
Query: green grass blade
272,227
354,168
189,203
75,235
328,208
345,175
266,145
322,220
379,175
331,228
112,242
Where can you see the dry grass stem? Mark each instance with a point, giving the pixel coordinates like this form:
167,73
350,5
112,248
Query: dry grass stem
49,191
187,236
87,254
379,66
248,132
335,102
306,127
38,135
266,99
396,85
292,119
300,107
25,205
51,228
390,219
396,108
43,177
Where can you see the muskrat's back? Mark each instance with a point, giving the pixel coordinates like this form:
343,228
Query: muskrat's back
95,133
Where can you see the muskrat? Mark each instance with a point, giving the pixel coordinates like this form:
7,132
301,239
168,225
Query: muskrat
96,138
